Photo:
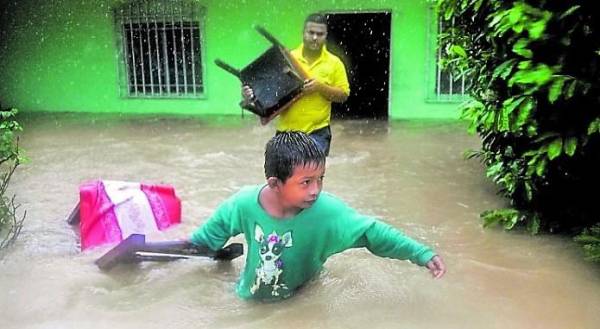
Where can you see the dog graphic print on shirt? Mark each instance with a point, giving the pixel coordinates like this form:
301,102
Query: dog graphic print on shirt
271,265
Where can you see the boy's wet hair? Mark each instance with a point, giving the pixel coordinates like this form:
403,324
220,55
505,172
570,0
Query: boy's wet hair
316,18
287,150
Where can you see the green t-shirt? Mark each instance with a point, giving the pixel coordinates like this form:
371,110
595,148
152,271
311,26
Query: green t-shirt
283,254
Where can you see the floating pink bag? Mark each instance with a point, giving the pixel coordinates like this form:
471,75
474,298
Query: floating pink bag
110,211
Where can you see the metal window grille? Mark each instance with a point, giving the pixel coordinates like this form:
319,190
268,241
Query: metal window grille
160,48
447,85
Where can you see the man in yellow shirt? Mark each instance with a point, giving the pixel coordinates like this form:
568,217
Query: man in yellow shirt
328,83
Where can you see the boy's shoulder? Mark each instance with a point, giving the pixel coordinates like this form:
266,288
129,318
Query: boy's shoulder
244,197
246,192
331,200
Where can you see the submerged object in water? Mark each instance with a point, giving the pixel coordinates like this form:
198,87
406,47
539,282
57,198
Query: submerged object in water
136,249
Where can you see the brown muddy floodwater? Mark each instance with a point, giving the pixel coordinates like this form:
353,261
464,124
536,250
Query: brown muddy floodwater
412,175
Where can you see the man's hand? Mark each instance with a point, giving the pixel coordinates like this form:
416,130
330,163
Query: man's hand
436,267
311,86
333,94
247,95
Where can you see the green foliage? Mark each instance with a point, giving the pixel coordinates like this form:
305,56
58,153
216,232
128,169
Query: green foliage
535,71
509,217
10,158
590,241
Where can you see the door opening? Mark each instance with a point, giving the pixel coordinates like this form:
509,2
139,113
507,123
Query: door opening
362,41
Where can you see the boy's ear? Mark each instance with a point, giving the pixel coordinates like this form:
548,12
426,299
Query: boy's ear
273,182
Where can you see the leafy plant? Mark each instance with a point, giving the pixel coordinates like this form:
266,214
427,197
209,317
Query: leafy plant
590,240
535,72
10,158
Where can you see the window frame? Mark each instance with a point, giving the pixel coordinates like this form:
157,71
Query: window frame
433,70
148,13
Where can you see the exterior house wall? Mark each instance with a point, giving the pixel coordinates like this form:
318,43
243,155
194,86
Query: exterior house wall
61,55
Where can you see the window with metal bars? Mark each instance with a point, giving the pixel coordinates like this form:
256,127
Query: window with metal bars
160,48
447,86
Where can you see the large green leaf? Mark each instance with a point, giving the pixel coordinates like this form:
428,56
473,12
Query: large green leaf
594,127
507,217
504,69
571,89
504,120
525,111
458,50
520,48
497,17
516,13
540,75
555,148
511,104
528,190
540,168
536,29
555,89
570,146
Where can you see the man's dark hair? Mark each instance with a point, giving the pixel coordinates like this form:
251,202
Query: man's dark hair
316,18
290,149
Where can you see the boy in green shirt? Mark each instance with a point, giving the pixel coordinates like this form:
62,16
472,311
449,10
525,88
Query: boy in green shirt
291,227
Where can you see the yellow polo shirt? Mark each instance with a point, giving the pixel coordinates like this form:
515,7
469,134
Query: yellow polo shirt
313,111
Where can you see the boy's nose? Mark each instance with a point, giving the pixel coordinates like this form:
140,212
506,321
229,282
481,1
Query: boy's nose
314,190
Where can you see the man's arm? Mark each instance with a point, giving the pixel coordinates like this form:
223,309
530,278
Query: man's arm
336,89
333,94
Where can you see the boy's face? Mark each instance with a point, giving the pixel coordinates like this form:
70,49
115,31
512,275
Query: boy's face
303,187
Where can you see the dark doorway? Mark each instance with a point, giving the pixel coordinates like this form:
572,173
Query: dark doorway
362,41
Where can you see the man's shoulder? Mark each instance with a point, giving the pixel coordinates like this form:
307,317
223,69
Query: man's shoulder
332,58
331,55
297,52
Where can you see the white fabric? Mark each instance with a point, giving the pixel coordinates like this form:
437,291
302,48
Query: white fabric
132,208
